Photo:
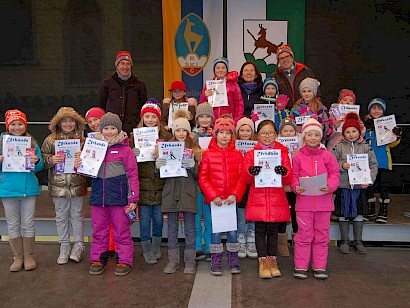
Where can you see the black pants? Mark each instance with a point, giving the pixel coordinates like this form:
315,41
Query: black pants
381,183
291,196
266,238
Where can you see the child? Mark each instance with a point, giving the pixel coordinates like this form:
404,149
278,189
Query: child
245,131
267,206
351,207
235,101
68,190
180,196
19,201
219,180
377,109
114,193
151,186
313,212
178,95
204,118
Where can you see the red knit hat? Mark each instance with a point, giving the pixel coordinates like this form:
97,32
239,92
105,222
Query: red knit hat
224,123
151,106
15,115
351,120
122,55
177,85
346,92
94,112
284,48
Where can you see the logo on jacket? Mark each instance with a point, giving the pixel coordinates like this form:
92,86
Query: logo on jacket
192,44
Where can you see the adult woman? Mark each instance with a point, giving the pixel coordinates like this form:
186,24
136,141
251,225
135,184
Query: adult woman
250,83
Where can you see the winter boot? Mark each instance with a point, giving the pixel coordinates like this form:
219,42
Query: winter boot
216,259
273,266
173,261
156,247
242,248
64,255
371,204
344,237
147,252
29,262
264,268
357,232
76,252
233,261
189,259
382,215
251,251
283,249
17,248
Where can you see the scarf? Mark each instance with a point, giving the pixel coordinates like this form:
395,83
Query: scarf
267,147
249,87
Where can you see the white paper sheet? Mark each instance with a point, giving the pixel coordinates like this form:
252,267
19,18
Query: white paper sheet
313,184
223,217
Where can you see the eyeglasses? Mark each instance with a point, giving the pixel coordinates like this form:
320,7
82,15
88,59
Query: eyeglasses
267,134
285,58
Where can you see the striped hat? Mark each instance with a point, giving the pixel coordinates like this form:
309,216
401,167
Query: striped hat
310,125
270,82
221,60
377,102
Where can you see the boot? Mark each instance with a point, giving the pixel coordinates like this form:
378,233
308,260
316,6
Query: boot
29,262
173,261
242,248
147,252
189,259
357,232
371,204
156,247
216,259
17,248
264,268
382,216
283,249
344,237
233,261
273,266
251,251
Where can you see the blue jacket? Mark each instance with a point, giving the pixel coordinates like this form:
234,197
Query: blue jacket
382,152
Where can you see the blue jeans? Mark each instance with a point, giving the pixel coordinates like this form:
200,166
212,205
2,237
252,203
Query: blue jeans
242,223
146,213
231,237
204,210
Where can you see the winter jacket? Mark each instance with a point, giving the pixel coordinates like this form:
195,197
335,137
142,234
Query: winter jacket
117,182
280,114
124,98
267,204
302,72
358,147
311,162
235,100
220,172
165,110
250,99
20,184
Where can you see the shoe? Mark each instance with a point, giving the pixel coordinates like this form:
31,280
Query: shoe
283,249
371,205
173,261
264,269
28,245
122,269
200,255
233,261
96,268
344,236
382,215
189,260
76,252
251,251
17,248
358,242
64,254
273,266
156,247
300,274
147,252
216,264
344,247
320,274
208,256
242,248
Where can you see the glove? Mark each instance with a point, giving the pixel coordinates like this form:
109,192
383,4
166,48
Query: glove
160,162
281,170
136,151
254,116
282,101
397,131
254,170
188,163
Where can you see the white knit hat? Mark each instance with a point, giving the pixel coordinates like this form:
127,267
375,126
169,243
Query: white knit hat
311,125
310,83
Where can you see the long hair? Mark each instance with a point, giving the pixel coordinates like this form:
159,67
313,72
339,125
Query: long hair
258,78
315,105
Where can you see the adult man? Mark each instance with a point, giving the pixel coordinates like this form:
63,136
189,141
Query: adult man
289,74
123,93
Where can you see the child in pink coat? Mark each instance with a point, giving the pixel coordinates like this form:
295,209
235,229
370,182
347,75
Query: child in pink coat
313,212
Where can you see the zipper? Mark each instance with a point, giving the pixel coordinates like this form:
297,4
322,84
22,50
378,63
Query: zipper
103,184
314,172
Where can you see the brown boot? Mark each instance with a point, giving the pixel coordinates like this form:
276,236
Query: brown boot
283,248
17,247
273,265
264,270
29,262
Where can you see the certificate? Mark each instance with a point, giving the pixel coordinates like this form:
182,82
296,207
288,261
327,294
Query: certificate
219,97
245,145
92,156
302,119
173,153
92,134
359,171
384,130
312,184
268,160
66,148
203,142
345,109
223,217
264,112
145,139
291,143
16,152
174,107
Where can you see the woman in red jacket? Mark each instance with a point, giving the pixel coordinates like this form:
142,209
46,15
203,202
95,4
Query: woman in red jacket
267,206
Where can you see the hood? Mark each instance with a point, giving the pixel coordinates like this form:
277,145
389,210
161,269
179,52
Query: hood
71,113
299,67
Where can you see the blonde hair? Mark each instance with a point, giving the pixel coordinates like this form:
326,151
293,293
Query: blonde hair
315,105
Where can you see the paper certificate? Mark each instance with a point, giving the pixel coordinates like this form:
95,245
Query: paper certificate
264,112
345,109
203,142
268,160
292,143
223,217
174,107
359,171
219,97
92,134
67,148
15,154
173,153
384,130
245,145
145,139
92,156
302,119
312,184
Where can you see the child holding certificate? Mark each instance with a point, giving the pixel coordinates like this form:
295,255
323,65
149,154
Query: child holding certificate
313,209
348,196
66,189
19,201
219,180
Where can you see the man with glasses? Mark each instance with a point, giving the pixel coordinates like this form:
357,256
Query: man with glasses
289,74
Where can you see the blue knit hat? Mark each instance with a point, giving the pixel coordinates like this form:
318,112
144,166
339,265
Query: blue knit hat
221,60
270,82
377,102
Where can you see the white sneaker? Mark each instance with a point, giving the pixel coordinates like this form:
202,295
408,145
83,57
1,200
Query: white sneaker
76,252
251,251
242,246
64,254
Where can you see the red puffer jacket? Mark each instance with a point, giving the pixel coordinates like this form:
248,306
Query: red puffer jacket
220,172
267,204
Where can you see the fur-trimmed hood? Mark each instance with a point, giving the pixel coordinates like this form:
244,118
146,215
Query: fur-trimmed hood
67,112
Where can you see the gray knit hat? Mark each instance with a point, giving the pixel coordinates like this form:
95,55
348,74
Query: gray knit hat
110,119
287,121
310,83
204,109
